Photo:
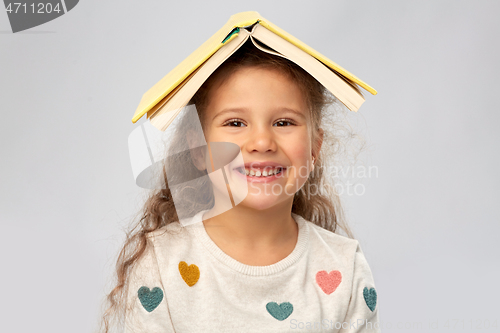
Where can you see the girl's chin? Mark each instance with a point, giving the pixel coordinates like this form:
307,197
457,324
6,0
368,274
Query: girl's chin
263,206
262,201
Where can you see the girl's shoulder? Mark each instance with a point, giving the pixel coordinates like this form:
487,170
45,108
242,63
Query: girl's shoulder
343,251
333,240
172,235
172,228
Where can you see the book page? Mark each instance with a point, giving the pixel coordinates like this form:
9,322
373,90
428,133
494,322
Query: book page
263,47
336,84
164,116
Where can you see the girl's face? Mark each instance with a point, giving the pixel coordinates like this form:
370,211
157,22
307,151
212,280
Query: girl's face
266,115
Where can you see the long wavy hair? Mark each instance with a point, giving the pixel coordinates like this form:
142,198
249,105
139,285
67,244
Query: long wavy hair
323,208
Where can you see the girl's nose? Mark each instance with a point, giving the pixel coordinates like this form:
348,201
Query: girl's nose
261,139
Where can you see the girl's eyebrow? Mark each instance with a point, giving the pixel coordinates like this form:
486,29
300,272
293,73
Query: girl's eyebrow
242,110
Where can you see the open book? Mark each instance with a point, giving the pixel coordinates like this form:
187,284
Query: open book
165,100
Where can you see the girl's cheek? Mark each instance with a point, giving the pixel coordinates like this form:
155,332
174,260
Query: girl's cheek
300,147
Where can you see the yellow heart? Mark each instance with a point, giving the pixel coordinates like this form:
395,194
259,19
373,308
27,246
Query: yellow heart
190,274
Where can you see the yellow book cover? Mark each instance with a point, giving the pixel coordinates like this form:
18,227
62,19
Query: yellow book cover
175,77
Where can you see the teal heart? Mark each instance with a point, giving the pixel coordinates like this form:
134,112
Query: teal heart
280,312
150,299
370,296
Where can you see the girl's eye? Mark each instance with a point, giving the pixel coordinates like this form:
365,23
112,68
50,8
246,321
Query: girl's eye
233,122
238,123
285,121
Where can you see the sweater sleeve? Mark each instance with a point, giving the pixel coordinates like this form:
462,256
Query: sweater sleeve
362,313
146,305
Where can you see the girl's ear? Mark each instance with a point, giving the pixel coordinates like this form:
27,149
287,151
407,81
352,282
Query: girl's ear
197,152
317,145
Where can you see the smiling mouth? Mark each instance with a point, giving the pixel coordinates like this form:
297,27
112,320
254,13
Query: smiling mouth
260,173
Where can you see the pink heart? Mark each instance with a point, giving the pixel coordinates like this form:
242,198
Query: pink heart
328,282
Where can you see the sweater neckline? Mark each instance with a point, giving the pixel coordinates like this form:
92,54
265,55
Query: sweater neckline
300,247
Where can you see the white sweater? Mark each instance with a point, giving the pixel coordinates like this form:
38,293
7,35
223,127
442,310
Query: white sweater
186,283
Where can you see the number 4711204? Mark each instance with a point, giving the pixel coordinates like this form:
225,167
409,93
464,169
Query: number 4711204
40,8
473,324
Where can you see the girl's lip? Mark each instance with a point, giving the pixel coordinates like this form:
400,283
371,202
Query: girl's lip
267,179
260,165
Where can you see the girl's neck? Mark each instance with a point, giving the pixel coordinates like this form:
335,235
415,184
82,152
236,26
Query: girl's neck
247,228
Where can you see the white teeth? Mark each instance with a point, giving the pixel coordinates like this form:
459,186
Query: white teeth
259,173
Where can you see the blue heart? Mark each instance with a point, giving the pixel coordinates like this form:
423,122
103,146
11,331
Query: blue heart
280,312
150,299
370,296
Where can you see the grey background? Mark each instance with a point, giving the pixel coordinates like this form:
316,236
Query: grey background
428,224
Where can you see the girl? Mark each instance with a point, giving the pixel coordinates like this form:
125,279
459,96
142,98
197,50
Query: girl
276,261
